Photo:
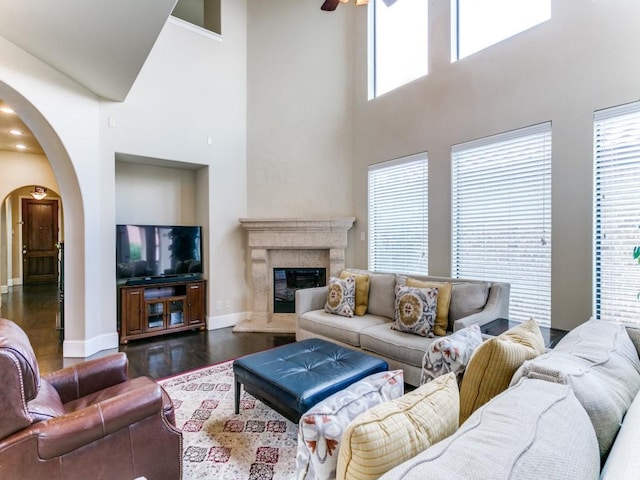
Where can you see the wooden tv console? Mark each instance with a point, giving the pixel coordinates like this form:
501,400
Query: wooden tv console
154,309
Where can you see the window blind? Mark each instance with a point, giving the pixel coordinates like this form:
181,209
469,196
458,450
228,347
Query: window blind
617,213
501,216
398,215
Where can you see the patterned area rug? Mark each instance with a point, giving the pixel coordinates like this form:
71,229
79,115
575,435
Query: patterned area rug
258,443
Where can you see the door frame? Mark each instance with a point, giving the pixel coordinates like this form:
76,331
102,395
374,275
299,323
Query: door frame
20,223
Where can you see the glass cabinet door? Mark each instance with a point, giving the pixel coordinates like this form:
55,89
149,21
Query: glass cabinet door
155,315
176,312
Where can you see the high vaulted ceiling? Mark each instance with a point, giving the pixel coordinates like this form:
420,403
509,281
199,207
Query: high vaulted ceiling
100,44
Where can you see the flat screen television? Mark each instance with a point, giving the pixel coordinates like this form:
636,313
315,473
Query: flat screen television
154,252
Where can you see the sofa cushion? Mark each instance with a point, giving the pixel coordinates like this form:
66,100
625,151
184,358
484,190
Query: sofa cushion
341,296
394,345
322,427
450,354
441,324
535,430
335,327
415,310
623,461
598,360
393,432
362,290
382,294
467,298
494,362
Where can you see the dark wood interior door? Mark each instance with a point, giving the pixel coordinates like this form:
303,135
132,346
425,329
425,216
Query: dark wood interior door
39,238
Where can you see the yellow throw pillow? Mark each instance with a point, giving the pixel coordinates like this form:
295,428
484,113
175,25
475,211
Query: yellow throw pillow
362,290
442,308
390,433
494,362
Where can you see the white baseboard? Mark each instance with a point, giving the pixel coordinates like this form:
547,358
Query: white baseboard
14,281
224,321
4,289
86,348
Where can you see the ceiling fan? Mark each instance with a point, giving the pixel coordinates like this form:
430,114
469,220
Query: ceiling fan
331,5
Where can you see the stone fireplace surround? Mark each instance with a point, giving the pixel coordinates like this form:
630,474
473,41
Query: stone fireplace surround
289,243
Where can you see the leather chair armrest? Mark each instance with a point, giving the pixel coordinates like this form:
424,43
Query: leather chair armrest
61,435
87,377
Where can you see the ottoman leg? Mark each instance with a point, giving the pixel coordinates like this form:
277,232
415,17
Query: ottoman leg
237,402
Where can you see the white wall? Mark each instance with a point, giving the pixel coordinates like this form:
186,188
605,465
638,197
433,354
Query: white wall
161,195
300,123
312,129
190,88
582,60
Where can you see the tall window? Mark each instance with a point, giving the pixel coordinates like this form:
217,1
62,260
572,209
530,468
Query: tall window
501,216
398,215
481,23
399,43
617,213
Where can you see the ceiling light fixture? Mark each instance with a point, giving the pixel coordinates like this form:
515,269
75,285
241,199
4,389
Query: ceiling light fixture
20,146
13,131
39,193
6,110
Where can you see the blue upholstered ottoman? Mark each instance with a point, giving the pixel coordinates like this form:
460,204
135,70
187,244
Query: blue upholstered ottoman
294,377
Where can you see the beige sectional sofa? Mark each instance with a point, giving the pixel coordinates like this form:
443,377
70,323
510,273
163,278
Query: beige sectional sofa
472,301
572,413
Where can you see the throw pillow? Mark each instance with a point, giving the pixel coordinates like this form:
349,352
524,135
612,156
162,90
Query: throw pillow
362,291
444,299
450,354
415,310
395,431
341,297
321,428
494,362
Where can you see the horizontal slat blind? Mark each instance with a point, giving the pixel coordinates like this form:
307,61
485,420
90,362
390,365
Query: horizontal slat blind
398,215
501,216
617,213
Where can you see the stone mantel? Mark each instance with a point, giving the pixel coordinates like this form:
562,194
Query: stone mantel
289,243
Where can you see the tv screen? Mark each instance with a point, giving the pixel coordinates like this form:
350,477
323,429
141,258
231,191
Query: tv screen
154,251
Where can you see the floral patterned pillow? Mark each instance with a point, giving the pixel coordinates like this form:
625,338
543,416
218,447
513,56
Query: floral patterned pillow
321,427
341,298
450,354
415,310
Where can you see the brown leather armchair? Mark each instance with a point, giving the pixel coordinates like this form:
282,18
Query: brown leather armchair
85,421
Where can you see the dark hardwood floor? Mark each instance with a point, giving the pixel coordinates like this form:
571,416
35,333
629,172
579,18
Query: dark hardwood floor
35,309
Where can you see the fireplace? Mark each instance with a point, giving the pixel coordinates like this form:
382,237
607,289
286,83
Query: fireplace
288,244
287,280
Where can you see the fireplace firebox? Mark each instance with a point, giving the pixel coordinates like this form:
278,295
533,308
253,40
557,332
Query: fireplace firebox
287,280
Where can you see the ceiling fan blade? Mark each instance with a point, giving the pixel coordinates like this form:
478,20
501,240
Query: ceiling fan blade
388,3
329,5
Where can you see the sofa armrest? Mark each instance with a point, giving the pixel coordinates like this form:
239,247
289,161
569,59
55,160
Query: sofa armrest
309,299
87,377
64,434
497,306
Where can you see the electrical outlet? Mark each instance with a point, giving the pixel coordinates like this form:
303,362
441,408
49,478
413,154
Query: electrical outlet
219,305
362,236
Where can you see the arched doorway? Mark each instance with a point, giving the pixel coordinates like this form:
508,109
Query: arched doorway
66,183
